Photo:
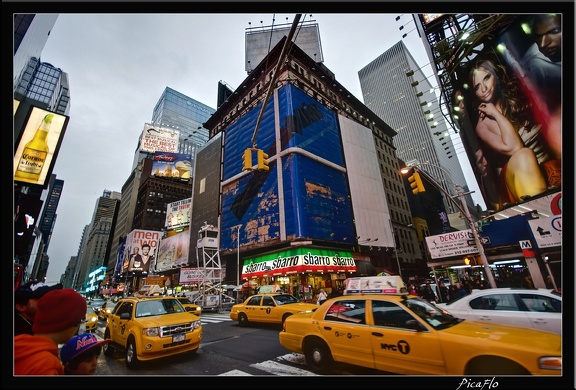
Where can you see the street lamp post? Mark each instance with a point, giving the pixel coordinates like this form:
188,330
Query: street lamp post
464,209
238,258
395,249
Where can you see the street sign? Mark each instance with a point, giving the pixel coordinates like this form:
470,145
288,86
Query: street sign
483,240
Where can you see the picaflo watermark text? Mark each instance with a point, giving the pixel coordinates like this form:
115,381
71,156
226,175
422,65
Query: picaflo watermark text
477,384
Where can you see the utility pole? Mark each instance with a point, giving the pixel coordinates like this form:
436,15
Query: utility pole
464,209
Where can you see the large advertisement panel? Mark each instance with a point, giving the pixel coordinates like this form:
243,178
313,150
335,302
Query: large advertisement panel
173,251
178,214
161,139
38,146
173,165
508,106
140,251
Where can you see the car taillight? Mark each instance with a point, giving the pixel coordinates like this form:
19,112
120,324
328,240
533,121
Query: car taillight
550,363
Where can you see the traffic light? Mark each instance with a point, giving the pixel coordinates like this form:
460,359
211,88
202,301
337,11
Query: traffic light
470,260
262,160
416,183
247,160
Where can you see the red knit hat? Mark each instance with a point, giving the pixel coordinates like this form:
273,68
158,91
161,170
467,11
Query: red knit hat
59,310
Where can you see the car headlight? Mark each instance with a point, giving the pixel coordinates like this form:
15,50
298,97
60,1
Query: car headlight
151,332
196,324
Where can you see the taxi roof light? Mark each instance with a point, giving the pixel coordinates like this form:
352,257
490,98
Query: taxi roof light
385,285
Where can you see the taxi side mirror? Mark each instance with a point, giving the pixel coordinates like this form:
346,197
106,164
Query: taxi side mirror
413,324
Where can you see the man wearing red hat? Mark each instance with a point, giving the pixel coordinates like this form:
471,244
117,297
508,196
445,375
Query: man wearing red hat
59,316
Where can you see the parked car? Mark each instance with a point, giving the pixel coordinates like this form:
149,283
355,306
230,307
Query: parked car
395,332
271,308
148,328
190,306
91,319
531,308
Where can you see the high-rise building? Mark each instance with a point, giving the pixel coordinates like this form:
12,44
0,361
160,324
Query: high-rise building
31,33
98,241
179,112
395,88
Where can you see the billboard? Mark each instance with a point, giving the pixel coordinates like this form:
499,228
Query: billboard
178,214
507,104
140,251
156,138
173,251
26,212
172,165
38,146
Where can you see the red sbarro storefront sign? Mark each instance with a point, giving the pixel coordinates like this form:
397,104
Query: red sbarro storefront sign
299,260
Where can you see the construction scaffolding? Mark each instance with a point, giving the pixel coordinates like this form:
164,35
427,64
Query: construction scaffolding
210,288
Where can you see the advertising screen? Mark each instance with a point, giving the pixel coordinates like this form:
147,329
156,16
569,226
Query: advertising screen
508,107
140,251
173,165
161,139
178,214
35,154
173,251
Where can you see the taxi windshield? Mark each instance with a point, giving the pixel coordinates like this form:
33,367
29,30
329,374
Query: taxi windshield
285,298
433,315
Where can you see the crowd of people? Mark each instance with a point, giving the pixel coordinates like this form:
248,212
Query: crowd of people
46,317
445,293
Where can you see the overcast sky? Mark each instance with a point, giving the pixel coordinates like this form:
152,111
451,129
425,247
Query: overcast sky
118,66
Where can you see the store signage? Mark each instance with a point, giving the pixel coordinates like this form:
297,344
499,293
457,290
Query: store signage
458,243
299,260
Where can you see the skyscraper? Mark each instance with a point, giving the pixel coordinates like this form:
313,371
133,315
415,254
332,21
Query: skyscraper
179,112
395,89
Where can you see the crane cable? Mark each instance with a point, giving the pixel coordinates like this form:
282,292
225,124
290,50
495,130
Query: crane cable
283,54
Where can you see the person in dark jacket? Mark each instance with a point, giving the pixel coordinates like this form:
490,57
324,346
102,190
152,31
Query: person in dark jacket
25,305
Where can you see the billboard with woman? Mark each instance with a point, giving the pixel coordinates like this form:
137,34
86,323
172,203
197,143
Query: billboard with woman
508,105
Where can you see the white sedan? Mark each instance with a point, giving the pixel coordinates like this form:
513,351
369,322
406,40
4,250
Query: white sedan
531,308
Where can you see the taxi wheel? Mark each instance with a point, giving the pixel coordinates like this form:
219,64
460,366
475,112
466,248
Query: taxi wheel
242,319
494,365
131,358
318,356
108,350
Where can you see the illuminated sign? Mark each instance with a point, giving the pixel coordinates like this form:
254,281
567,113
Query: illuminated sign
299,260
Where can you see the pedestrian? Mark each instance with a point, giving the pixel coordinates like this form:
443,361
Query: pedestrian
80,354
322,296
527,281
25,305
59,317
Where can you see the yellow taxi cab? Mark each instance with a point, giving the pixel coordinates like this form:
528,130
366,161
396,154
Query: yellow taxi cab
190,306
91,320
271,308
146,328
377,324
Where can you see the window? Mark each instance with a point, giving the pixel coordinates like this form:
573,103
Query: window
268,301
353,311
495,302
541,303
389,314
253,301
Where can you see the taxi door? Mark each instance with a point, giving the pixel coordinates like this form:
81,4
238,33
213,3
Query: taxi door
400,349
117,325
345,330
